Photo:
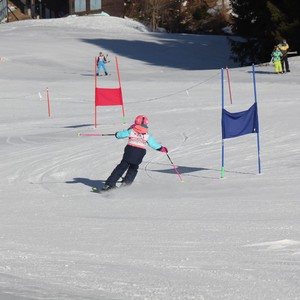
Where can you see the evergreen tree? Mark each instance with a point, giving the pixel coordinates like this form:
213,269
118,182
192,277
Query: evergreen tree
287,15
253,22
262,24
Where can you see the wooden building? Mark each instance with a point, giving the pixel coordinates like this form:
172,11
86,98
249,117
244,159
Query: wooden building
60,8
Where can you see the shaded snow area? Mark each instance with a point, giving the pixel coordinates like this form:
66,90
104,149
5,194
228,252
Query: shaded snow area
160,239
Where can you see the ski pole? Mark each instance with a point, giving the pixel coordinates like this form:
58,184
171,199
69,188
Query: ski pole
95,134
175,168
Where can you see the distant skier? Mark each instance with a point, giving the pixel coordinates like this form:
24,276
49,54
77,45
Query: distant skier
134,152
276,59
101,61
284,48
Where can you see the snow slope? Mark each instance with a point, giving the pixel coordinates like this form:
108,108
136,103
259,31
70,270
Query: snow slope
206,238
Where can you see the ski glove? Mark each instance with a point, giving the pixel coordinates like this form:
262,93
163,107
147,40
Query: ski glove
163,149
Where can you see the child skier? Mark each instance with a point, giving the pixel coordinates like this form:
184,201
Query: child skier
276,59
101,61
134,152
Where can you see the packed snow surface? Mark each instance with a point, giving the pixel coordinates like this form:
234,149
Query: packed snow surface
201,238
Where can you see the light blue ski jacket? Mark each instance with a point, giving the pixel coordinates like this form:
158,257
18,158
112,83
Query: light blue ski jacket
136,141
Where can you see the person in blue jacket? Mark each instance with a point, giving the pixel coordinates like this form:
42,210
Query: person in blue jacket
134,152
101,61
276,59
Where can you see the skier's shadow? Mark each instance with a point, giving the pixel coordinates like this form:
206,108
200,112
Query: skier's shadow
88,182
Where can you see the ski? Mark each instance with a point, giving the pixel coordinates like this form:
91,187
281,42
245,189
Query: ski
101,191
97,190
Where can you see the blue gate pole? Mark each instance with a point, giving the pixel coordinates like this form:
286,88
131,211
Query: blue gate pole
257,133
223,149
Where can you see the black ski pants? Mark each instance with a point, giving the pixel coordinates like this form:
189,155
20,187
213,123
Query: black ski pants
119,170
285,64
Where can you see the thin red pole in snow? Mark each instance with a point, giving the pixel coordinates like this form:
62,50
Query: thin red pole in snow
229,87
119,78
48,100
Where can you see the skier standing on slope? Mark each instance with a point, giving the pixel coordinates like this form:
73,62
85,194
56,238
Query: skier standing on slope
101,61
134,152
284,48
276,59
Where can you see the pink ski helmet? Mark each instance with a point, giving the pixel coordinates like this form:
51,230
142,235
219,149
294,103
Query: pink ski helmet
141,120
